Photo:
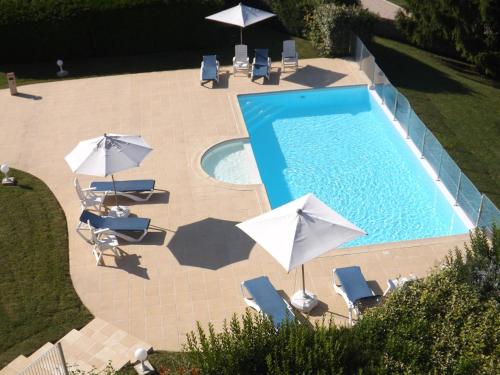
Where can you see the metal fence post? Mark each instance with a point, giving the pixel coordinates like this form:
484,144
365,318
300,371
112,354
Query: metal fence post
423,143
440,163
480,210
361,54
408,124
458,188
383,86
63,360
395,106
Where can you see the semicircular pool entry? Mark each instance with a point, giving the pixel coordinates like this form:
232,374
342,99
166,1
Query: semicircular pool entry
232,162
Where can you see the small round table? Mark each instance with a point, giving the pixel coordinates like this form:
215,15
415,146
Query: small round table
119,211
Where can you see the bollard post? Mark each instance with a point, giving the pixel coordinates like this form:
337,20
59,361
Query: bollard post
11,79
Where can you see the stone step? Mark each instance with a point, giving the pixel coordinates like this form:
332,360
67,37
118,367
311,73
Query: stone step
18,364
93,347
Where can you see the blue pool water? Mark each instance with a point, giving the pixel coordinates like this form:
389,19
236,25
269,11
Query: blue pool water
339,145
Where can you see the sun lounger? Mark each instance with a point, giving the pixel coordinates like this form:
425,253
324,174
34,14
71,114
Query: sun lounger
132,189
261,66
120,227
393,284
289,56
265,299
350,283
88,198
241,62
209,70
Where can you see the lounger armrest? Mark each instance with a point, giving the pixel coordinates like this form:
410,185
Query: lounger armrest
89,189
100,231
234,59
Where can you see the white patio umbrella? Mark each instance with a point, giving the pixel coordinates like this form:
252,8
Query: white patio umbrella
242,16
108,154
298,232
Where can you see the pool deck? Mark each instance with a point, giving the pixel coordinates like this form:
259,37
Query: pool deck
190,266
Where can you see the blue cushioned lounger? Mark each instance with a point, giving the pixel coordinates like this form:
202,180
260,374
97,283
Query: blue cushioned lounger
131,186
350,283
266,299
117,225
129,189
261,65
209,69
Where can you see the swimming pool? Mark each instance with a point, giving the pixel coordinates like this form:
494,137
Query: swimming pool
339,144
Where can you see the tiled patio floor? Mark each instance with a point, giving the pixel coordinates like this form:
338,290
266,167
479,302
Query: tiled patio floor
190,266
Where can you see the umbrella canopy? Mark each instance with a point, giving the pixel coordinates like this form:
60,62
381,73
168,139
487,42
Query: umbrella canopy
300,231
242,16
108,154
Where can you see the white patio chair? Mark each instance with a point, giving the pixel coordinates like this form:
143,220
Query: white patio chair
289,56
241,61
88,198
103,241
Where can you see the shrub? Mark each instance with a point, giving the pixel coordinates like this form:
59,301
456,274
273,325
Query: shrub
472,28
292,13
49,29
330,27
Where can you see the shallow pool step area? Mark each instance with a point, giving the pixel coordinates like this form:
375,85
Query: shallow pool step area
91,348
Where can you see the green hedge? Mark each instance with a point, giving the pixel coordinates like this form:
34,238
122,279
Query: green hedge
51,29
448,323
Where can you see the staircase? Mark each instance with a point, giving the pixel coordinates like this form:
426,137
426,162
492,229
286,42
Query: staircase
92,347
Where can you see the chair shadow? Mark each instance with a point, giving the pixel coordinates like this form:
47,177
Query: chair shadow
154,238
159,197
375,287
223,83
131,264
314,77
321,309
28,96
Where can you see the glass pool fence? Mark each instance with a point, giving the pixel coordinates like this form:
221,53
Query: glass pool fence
477,206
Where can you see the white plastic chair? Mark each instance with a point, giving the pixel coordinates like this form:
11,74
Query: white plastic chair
289,56
241,61
103,241
88,198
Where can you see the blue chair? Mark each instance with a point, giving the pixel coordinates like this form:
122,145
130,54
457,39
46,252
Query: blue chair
265,299
129,189
261,66
209,70
120,227
350,283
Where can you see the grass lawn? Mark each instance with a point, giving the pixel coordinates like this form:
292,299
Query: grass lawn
170,362
37,299
254,37
460,107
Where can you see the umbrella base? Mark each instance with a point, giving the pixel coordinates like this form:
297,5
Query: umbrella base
304,303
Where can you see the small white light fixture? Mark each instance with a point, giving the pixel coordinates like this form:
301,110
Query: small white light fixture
4,168
61,73
144,367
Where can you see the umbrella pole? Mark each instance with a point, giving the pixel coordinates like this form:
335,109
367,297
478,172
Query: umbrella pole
241,35
116,196
303,282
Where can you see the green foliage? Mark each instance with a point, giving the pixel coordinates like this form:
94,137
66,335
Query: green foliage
293,13
49,29
446,324
472,27
330,27
38,302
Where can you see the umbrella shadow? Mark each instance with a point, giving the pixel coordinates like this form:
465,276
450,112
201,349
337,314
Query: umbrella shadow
314,77
210,243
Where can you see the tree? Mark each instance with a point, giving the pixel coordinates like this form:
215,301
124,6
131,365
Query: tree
472,27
